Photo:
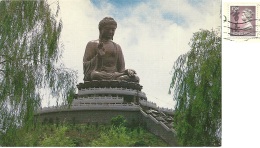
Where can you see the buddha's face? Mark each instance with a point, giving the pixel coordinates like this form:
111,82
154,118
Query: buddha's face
108,31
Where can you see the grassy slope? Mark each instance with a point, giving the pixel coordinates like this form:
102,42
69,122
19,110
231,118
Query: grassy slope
84,135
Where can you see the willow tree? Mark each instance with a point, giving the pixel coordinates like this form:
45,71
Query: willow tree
196,86
30,55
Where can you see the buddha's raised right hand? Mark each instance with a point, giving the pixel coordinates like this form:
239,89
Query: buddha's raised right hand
101,50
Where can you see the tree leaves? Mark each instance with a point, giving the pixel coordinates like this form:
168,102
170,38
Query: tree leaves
29,60
196,85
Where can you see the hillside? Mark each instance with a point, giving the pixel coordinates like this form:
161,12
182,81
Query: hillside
119,133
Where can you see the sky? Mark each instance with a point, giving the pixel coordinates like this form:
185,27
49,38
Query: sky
151,33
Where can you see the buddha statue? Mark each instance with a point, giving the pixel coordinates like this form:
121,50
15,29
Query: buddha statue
103,58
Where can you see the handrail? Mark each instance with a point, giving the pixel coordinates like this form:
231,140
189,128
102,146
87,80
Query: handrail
90,104
111,89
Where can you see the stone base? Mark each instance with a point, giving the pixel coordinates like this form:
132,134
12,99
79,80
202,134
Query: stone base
109,84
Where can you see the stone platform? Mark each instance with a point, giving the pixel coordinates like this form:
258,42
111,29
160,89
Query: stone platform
109,84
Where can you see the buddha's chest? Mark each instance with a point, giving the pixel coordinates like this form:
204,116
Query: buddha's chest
110,49
110,58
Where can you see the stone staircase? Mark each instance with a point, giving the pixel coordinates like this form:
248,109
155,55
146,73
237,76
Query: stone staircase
160,124
166,119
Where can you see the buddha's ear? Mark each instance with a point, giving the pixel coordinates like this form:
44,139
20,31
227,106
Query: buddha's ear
100,34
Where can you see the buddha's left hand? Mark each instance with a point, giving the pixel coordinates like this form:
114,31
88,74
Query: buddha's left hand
131,72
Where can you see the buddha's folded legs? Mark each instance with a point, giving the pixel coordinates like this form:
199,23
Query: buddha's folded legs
102,75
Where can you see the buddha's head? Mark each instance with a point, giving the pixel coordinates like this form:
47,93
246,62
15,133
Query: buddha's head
107,27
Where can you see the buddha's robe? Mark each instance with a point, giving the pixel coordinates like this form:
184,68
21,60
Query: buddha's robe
110,66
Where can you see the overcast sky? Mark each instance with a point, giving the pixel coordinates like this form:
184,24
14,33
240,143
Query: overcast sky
151,33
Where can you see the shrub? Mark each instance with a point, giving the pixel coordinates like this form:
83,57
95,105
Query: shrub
57,139
118,121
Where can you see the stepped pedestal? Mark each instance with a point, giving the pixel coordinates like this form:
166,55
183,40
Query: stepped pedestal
109,92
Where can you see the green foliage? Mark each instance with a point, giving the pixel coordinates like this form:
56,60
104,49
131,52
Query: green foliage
118,121
47,135
196,83
120,135
30,61
83,135
124,137
58,138
23,136
115,136
141,137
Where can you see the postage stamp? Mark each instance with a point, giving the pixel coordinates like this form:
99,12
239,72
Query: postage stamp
241,21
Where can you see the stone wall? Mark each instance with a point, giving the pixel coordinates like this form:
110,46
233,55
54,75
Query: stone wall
100,116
